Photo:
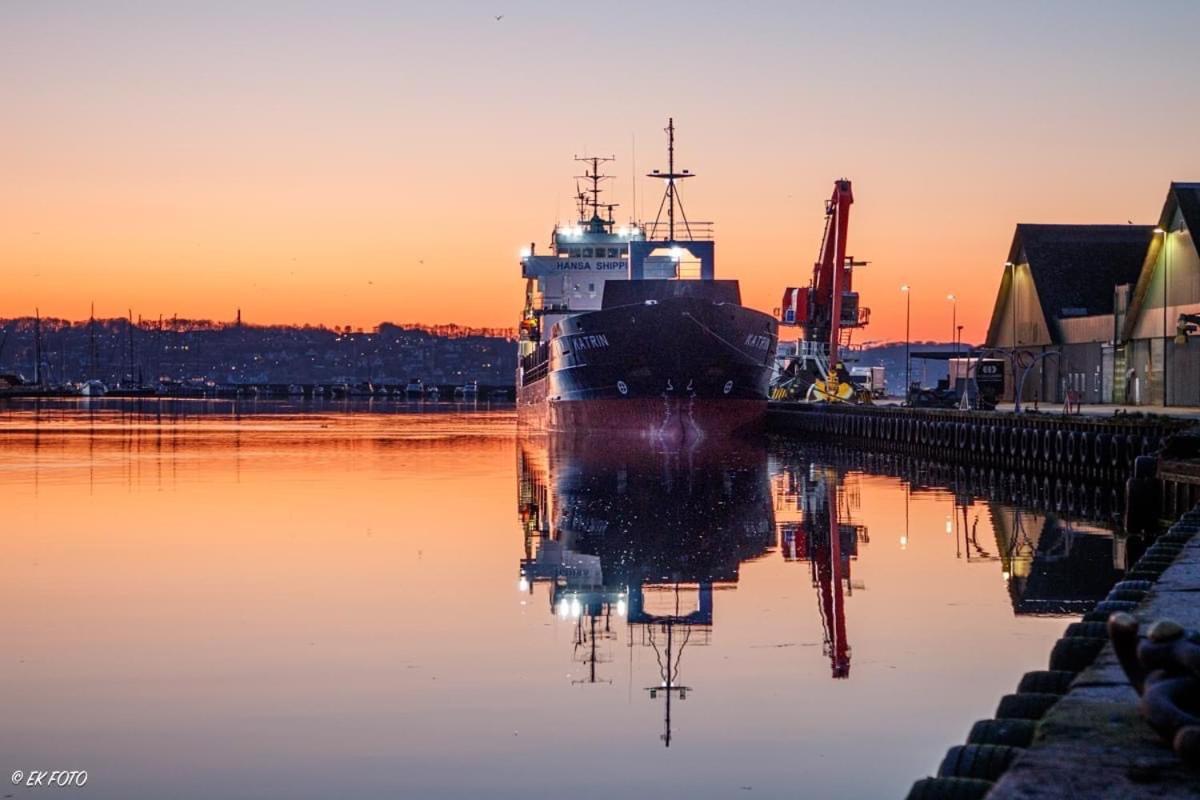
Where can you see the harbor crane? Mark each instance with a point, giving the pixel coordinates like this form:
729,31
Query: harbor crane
828,312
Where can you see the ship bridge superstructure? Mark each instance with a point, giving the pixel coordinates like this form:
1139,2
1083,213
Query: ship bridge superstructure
583,256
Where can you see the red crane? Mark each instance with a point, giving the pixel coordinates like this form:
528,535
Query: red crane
829,305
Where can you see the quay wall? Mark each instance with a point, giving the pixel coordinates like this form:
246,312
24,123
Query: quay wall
1100,501
1098,449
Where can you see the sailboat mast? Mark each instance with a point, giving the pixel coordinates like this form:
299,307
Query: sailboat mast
92,343
129,328
37,347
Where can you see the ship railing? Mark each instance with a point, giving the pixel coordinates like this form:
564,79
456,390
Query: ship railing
536,365
690,231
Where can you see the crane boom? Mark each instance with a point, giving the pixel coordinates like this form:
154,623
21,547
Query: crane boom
828,304
831,275
827,309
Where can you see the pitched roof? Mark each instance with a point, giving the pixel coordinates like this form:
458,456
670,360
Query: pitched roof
1187,196
1181,197
1074,268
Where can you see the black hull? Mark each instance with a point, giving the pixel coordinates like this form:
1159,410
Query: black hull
683,366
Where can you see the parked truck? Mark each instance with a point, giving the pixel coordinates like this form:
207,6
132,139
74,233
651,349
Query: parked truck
871,379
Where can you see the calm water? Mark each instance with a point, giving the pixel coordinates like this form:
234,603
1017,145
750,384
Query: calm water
324,604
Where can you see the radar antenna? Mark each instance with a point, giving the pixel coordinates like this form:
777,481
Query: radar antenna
596,223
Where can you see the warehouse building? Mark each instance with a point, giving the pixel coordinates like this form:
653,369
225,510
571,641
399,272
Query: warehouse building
1162,358
1062,302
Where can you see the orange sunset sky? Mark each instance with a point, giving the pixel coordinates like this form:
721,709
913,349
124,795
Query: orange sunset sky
301,160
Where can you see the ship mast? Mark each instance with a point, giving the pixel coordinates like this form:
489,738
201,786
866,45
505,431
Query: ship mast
671,197
597,223
669,671
671,180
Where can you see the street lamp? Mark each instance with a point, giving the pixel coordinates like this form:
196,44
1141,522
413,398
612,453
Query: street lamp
954,320
953,317
954,323
1012,288
1166,283
907,342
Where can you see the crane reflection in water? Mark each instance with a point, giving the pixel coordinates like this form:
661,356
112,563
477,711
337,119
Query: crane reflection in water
814,503
641,538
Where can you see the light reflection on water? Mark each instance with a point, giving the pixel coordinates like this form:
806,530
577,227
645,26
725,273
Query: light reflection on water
348,604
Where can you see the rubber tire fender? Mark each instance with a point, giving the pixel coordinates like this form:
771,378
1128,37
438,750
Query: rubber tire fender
984,761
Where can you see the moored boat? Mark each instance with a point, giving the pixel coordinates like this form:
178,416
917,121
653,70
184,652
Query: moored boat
627,329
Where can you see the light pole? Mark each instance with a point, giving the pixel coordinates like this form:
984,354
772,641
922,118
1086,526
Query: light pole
953,327
953,319
1012,290
1166,283
907,342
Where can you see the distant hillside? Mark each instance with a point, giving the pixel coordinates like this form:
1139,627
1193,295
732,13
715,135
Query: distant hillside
114,350
890,355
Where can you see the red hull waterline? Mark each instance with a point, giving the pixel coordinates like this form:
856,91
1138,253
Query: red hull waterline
666,419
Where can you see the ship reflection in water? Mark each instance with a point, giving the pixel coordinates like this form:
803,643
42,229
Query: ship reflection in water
646,533
632,543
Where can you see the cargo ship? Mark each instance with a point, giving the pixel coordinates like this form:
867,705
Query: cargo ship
626,328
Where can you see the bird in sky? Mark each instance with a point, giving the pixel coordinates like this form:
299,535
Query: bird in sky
499,17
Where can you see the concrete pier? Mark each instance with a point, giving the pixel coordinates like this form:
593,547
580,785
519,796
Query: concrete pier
1075,730
1093,742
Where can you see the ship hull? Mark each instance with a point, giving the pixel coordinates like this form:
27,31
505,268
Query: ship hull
677,368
